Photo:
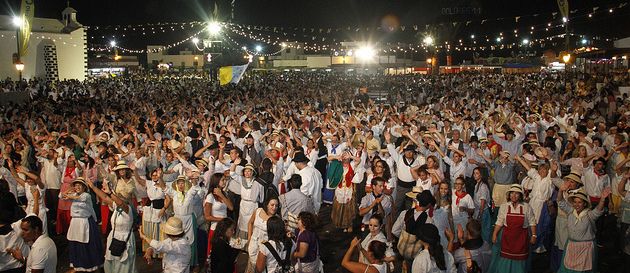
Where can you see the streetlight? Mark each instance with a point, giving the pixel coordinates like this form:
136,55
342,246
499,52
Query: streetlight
20,67
428,40
525,41
214,28
584,41
566,58
195,40
112,43
365,53
258,48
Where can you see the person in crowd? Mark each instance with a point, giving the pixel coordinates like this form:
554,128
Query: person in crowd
34,189
432,257
276,250
294,202
154,213
411,219
42,256
71,171
307,244
462,206
375,202
579,254
250,191
514,229
405,161
10,232
312,181
375,254
475,252
223,259
175,248
216,205
84,241
182,193
117,258
257,230
573,182
375,232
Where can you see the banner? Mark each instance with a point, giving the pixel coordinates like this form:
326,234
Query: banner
231,74
27,11
563,5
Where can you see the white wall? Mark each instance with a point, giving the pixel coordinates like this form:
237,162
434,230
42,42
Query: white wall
71,55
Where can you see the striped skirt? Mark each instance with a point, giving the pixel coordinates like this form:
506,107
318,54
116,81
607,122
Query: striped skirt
153,231
343,214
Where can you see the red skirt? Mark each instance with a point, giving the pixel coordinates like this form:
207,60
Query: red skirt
210,234
104,218
63,221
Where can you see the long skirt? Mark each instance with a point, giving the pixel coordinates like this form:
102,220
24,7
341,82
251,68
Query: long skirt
486,226
115,265
153,231
104,218
210,235
544,230
499,264
577,259
87,256
343,214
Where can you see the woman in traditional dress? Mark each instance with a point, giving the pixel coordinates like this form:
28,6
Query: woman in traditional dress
344,207
71,170
250,196
182,194
122,230
580,254
511,234
257,228
84,241
573,181
154,214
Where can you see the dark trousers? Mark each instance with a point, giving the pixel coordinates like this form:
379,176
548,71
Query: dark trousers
52,201
15,270
236,202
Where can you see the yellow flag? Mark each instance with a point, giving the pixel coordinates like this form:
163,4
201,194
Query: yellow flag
225,75
563,5
27,10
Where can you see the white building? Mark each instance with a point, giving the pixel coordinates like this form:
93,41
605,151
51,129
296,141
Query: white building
57,49
185,58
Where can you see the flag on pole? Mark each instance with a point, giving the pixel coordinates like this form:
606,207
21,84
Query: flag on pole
27,10
231,74
563,5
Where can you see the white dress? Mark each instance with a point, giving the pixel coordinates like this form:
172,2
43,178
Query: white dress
81,210
259,235
249,203
183,210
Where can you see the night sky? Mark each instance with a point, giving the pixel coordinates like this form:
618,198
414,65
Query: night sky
334,13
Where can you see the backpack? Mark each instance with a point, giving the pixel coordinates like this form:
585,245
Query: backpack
269,190
284,265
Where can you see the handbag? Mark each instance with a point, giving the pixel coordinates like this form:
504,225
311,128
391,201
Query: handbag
117,247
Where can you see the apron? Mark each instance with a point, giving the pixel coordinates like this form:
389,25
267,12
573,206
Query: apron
247,208
514,237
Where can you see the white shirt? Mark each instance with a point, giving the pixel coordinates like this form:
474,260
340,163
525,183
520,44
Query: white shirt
176,254
465,202
426,264
12,240
219,209
403,171
271,262
43,255
50,174
312,184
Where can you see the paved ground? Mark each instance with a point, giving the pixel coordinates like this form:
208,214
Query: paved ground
334,244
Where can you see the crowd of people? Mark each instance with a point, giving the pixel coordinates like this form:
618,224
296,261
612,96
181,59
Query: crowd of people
464,172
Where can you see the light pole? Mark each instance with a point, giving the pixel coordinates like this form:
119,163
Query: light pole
18,22
566,58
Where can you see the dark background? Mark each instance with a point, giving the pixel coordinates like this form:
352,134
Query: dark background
337,13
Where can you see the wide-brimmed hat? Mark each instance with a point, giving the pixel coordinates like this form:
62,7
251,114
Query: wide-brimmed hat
581,194
103,136
249,166
414,192
121,165
300,157
174,144
574,177
483,139
182,178
80,180
425,198
173,226
505,153
515,188
202,161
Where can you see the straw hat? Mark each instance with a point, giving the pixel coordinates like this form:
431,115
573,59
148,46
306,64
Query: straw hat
483,139
414,192
202,161
515,188
574,177
103,136
173,226
249,166
187,184
505,154
80,180
174,144
581,194
121,165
